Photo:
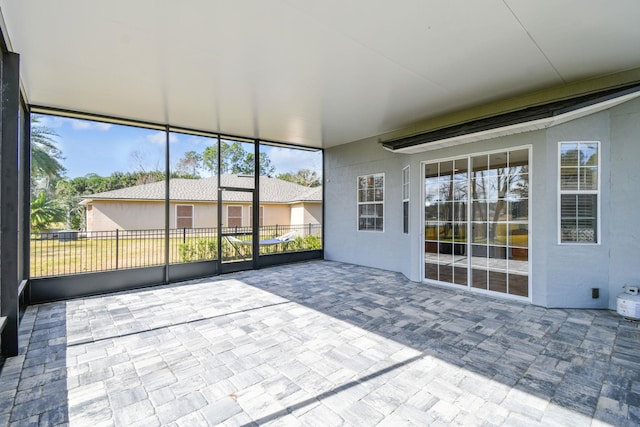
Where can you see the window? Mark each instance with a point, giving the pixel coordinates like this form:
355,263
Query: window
234,216
405,200
371,202
184,216
579,192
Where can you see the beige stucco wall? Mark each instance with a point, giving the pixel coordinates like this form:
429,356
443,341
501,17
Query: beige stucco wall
313,213
306,213
276,215
112,215
107,215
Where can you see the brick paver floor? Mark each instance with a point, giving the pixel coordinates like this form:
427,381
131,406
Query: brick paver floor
321,344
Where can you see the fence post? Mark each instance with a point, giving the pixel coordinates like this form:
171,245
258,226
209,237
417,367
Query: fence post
117,246
184,235
309,229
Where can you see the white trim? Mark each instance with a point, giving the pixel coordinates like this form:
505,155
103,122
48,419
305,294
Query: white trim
358,203
193,214
517,128
597,192
469,222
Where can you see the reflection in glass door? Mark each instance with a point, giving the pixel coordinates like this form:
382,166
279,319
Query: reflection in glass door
476,222
446,222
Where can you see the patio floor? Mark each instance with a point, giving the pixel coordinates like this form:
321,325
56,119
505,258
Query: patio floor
319,343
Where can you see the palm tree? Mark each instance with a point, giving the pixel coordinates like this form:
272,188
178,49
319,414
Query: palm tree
45,212
45,155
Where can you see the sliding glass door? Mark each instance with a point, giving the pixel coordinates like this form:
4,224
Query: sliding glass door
476,222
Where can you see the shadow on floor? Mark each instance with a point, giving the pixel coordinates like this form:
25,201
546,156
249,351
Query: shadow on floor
583,360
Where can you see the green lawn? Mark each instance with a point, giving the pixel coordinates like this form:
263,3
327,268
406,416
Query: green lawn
57,258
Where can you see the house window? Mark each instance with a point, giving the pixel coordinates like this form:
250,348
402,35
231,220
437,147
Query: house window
261,220
371,202
184,216
405,200
579,192
234,216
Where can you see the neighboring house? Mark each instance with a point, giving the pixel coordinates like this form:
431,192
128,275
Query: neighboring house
193,204
538,205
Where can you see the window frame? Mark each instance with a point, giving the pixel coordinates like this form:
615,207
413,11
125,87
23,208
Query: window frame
193,215
406,207
597,193
359,203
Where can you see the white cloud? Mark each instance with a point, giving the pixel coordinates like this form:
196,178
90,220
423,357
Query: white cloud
52,122
160,137
89,125
56,122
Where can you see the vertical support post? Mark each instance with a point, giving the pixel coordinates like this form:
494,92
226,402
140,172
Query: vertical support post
219,202
117,247
9,215
167,210
24,167
255,221
324,200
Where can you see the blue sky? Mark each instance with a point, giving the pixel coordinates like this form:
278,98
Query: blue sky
102,148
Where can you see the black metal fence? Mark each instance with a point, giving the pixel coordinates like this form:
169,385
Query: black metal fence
72,252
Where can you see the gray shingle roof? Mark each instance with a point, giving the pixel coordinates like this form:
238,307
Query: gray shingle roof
272,190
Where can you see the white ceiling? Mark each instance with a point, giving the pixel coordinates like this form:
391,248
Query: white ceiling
315,73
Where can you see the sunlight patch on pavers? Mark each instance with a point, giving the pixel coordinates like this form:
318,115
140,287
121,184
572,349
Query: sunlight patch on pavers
274,352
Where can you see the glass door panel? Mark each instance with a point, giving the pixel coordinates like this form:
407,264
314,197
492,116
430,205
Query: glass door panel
487,195
445,214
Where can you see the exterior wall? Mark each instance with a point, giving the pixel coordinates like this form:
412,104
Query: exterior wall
562,275
389,249
112,215
624,227
276,215
297,214
306,213
571,270
137,215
